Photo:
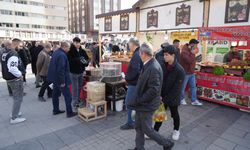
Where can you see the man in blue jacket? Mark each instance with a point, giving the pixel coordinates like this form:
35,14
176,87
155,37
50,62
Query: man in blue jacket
58,74
132,76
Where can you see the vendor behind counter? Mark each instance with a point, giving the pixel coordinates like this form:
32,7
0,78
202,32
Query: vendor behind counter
232,55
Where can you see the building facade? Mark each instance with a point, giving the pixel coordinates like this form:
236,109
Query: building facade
34,19
82,15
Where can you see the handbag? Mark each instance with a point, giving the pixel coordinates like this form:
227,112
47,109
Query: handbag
160,114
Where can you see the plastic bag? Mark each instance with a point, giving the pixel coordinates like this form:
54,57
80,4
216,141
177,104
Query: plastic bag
160,114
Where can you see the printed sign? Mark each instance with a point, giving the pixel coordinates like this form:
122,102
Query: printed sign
184,36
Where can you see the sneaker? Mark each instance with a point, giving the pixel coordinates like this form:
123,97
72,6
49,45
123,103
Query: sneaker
19,115
197,103
127,127
183,102
146,137
17,120
176,135
169,147
73,114
41,99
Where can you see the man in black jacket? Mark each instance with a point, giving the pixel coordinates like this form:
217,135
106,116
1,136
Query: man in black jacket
176,44
132,76
173,77
147,99
78,60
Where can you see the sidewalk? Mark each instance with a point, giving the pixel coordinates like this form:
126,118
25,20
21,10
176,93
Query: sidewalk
210,127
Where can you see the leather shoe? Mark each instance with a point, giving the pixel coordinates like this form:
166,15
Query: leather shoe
71,114
169,147
58,112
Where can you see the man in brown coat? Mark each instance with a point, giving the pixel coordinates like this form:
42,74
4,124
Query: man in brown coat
187,60
42,65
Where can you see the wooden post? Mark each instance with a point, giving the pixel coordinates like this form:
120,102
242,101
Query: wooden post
205,24
100,47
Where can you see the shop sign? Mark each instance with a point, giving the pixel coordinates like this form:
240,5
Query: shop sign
224,83
183,15
234,33
184,36
152,19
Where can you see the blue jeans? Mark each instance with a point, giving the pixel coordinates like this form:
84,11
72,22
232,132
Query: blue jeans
77,80
57,90
130,94
190,80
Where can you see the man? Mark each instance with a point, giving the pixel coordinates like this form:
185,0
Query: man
78,60
159,56
147,99
173,76
131,78
58,74
232,55
34,52
24,57
42,66
188,62
176,44
12,70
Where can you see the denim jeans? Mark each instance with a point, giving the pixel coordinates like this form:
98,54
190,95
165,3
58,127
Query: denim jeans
57,90
45,86
190,80
17,91
76,80
130,94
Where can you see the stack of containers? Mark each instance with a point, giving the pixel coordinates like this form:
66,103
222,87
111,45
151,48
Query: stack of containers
95,91
111,71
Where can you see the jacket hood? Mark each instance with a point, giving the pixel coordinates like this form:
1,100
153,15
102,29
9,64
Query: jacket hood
186,48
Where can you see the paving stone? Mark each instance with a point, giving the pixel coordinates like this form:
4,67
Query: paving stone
236,139
68,136
247,137
228,145
26,145
238,147
51,142
214,147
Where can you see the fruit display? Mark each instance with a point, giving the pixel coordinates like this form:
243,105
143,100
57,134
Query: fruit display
247,57
218,70
246,76
242,100
237,64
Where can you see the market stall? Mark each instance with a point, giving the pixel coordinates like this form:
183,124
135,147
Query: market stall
121,26
226,83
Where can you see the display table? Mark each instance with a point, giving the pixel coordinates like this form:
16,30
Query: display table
226,90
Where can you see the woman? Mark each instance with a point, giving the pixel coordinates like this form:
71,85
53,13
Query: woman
173,76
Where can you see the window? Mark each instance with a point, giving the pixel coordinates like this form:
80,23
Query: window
49,6
6,24
18,25
107,6
21,1
18,13
60,28
38,15
5,12
5,0
36,3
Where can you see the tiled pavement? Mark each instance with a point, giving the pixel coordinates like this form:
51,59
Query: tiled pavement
210,127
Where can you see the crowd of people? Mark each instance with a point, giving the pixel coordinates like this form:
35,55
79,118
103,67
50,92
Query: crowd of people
151,77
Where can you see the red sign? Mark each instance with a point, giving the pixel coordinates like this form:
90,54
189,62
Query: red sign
234,33
225,83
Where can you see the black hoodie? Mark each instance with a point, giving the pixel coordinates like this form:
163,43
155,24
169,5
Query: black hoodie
74,57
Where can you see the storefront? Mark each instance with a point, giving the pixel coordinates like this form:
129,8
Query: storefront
118,27
226,83
163,21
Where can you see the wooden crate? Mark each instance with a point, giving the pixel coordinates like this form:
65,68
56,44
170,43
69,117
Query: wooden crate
99,111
